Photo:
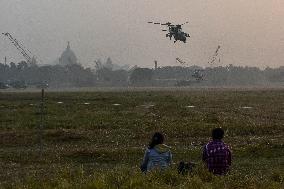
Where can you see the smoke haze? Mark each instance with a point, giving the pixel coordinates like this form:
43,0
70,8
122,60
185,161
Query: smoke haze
249,32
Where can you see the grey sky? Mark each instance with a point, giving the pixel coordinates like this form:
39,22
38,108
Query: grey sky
249,31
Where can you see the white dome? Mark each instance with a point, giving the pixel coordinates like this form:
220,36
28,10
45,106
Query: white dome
68,57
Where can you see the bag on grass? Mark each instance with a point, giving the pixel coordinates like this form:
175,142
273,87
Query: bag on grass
185,168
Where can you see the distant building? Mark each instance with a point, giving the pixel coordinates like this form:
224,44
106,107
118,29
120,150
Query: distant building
68,57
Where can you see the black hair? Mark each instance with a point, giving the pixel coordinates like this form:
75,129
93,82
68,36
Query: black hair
158,138
217,133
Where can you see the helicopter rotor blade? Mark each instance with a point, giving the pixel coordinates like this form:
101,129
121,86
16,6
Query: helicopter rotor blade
166,24
185,23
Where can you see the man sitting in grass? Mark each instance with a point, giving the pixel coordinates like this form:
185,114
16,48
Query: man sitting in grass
157,155
216,154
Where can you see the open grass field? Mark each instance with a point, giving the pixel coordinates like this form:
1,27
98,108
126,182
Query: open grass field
97,139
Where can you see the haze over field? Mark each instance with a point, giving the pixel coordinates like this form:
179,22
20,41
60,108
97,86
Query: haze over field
250,32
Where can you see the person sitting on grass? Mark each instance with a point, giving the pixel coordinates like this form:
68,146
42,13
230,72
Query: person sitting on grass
157,155
216,154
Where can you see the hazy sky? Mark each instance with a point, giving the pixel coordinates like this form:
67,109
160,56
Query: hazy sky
250,32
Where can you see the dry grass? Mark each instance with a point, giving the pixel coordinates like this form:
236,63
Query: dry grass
99,145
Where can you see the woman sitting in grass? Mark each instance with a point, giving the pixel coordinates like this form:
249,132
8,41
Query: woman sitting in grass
157,155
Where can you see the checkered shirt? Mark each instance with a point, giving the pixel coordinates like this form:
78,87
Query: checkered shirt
217,156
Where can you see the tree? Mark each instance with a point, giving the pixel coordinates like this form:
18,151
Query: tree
109,64
13,66
23,65
141,76
98,64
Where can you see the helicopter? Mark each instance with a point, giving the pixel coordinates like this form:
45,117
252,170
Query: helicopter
198,74
174,31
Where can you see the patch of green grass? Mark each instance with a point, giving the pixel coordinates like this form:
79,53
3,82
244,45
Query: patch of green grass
99,145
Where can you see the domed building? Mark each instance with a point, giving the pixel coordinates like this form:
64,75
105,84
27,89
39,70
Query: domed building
68,57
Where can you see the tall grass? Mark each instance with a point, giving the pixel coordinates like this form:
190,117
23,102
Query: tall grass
126,177
99,145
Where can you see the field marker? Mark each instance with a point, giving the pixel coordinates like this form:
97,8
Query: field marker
59,102
116,104
148,106
246,107
87,103
190,106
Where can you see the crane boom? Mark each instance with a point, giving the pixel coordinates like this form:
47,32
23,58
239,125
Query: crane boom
25,52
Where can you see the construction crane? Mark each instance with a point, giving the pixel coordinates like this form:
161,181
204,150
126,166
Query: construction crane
215,57
31,59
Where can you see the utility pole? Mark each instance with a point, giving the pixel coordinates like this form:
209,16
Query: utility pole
5,63
41,124
156,64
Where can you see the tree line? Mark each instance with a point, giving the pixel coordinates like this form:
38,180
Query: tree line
105,74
